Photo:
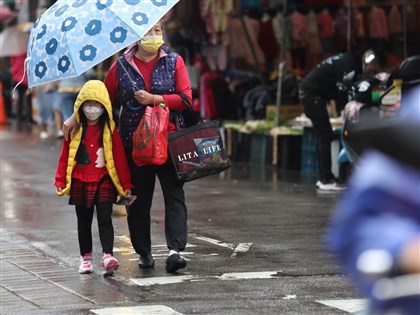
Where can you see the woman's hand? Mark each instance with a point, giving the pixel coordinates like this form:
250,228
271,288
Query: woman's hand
145,98
70,127
127,192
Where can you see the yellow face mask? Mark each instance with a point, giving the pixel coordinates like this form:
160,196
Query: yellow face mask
151,44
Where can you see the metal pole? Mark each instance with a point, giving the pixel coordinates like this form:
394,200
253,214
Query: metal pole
281,66
405,28
254,55
349,25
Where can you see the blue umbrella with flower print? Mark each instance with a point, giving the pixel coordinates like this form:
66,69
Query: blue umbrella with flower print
73,36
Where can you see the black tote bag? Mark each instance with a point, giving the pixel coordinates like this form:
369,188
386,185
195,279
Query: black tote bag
198,151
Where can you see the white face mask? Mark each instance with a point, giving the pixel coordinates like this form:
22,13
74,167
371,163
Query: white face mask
92,112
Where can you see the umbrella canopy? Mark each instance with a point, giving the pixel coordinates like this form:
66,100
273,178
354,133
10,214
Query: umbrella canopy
74,36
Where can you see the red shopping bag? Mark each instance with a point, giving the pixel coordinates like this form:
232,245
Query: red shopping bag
150,140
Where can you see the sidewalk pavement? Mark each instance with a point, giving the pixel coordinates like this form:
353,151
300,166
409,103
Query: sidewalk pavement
277,215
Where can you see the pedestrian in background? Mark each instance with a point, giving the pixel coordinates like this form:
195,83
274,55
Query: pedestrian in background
46,96
93,170
148,74
328,81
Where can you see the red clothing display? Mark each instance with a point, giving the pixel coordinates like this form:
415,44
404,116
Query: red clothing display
266,39
395,20
378,23
325,24
299,29
93,156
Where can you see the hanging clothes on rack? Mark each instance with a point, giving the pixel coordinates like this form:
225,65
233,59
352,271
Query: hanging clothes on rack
267,41
378,28
341,23
282,30
240,48
395,30
314,43
216,14
326,32
251,4
359,29
215,97
299,24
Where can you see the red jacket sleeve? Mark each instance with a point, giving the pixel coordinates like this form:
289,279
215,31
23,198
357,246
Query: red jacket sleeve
111,81
60,174
182,85
121,164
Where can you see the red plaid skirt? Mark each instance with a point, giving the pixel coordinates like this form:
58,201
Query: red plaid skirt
87,194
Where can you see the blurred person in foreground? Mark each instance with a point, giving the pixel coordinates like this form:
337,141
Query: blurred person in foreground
375,230
329,81
148,74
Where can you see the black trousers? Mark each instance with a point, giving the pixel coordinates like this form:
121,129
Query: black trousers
138,214
315,107
106,229
24,106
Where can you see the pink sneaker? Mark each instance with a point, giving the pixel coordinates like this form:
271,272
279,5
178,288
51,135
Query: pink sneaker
85,265
109,264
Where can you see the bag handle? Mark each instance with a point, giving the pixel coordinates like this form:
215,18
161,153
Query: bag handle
185,100
194,117
128,75
187,103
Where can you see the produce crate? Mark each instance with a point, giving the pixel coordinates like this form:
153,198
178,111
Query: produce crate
261,149
309,161
238,144
288,152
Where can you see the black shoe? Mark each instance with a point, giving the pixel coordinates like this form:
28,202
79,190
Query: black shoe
174,263
146,261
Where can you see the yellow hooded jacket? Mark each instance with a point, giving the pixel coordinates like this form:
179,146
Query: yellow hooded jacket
93,90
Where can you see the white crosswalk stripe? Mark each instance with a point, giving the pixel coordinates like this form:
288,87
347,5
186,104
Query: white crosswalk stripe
349,306
138,310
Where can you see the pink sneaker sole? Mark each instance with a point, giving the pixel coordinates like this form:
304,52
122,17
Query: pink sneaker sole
112,266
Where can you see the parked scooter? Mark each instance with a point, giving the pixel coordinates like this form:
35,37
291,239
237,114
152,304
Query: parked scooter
366,101
398,141
372,100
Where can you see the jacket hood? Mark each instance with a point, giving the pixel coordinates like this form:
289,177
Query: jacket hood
94,90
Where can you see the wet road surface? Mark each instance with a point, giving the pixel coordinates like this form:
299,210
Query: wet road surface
255,246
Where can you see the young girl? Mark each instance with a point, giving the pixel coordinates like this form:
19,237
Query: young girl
93,170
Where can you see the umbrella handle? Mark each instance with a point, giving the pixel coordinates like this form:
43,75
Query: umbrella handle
23,75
